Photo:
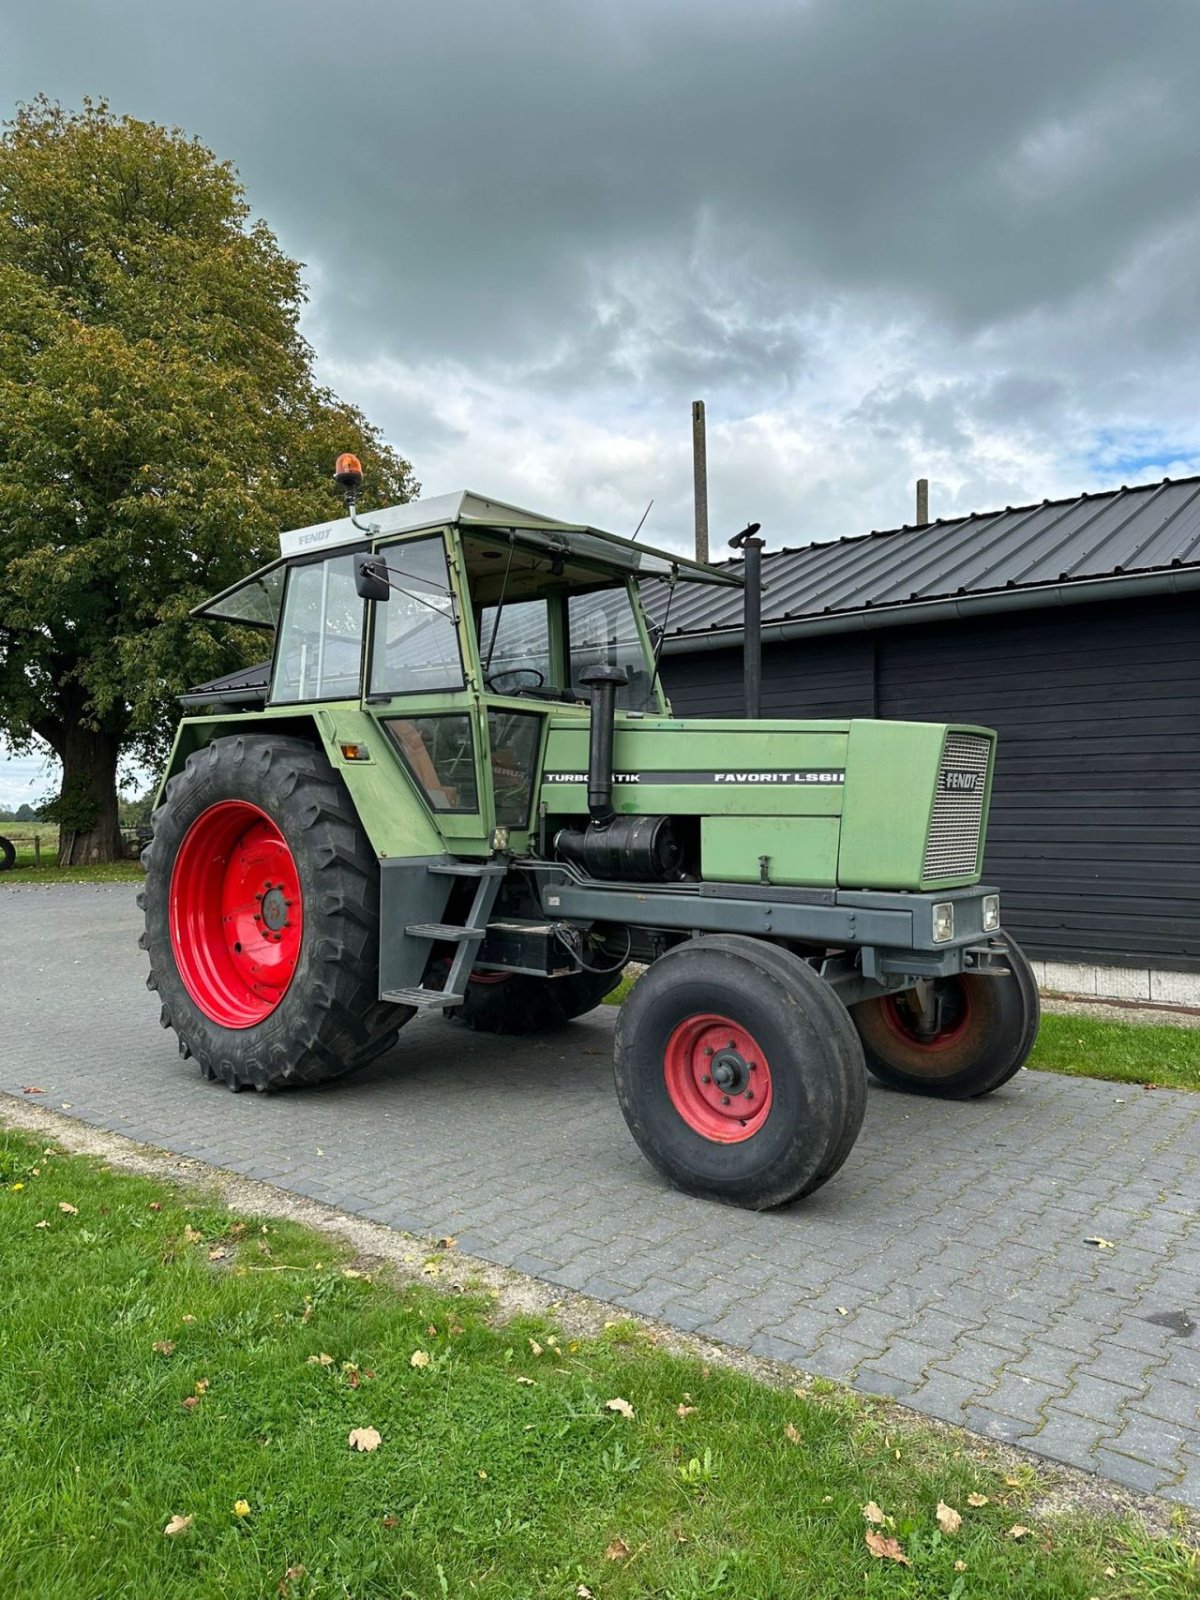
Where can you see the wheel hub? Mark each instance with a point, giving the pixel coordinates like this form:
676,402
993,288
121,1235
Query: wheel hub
718,1078
236,914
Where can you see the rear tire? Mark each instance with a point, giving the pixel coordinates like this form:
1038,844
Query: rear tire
717,1017
517,1002
8,854
989,1029
262,917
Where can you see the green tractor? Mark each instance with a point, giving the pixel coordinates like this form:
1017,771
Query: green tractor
457,786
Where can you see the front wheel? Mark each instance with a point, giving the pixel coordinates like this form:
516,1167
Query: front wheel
8,855
955,1038
738,1072
262,917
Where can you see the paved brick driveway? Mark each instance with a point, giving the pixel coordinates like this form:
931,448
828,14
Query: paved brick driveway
946,1266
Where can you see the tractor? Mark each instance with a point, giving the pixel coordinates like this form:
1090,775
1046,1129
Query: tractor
457,786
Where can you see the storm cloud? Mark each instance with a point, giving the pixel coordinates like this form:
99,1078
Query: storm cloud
881,240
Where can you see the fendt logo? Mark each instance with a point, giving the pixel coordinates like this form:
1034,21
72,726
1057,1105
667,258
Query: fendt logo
959,781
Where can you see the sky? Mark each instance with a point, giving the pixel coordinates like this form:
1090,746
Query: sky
944,238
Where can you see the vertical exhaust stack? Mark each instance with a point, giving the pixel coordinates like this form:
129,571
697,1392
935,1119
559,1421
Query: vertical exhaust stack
752,549
604,683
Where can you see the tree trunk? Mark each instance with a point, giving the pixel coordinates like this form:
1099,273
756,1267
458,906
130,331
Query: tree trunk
89,826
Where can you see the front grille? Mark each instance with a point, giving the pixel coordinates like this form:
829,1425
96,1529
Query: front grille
952,848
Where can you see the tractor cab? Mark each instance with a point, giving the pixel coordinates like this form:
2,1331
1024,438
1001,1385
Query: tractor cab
460,626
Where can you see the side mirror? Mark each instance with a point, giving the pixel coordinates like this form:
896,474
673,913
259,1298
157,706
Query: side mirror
370,577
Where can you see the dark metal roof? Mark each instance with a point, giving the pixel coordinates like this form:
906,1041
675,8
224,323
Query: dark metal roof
1122,533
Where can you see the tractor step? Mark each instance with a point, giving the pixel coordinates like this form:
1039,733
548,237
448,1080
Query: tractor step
422,999
469,869
450,931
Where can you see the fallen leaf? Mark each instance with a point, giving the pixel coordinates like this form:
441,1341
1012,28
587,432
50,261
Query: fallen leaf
177,1525
201,1385
1101,1244
349,1272
391,1522
187,1317
364,1439
617,1551
430,1269
218,1252
841,1311
481,1475
431,1331
1018,1531
447,1243
960,1566
164,1347
792,1433
293,1573
42,1224
872,1513
156,1205
1110,1572
885,1549
353,1379
323,1360
684,1411
977,1499
949,1520
192,1235
536,1348
620,1405
190,1402
582,1592
527,1382
1013,1483
32,1088
419,1358
67,1209
241,1508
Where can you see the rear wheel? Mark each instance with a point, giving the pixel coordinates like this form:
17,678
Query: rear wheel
517,1002
8,855
956,1038
735,1070
262,917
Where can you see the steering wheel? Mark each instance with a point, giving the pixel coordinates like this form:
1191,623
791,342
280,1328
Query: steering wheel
539,679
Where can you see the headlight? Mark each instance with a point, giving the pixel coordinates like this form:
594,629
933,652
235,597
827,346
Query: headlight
943,921
991,913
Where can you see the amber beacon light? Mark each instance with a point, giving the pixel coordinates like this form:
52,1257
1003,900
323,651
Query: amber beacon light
347,470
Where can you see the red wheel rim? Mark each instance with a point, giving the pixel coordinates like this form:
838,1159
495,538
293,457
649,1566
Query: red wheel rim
899,1018
718,1078
236,913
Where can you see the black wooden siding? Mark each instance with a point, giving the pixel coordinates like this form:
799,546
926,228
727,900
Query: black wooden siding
1094,837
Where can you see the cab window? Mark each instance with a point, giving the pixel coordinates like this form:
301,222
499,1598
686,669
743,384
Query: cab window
415,647
319,651
603,632
516,650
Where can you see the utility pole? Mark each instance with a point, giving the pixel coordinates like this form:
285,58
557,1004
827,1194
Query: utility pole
700,479
922,502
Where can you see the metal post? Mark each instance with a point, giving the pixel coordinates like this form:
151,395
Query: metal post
700,479
922,502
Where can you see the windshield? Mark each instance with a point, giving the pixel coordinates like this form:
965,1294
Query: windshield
603,631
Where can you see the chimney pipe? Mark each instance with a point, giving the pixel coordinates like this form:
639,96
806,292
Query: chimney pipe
922,502
700,479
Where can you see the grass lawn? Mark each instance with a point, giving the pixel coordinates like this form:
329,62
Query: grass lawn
29,869
165,1359
1124,1052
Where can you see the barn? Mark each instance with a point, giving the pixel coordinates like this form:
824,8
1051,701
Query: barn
1072,627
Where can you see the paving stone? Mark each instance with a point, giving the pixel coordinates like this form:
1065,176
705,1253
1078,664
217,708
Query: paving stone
954,1236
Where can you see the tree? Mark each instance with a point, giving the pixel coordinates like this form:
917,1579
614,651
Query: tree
159,423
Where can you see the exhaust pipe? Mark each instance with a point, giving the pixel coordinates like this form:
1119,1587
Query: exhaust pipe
604,683
752,549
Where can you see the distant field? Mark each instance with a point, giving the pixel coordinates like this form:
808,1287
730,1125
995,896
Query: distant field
34,866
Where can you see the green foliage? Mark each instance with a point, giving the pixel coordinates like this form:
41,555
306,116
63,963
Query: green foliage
166,1358
159,421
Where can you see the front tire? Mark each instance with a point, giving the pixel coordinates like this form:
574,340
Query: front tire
262,917
987,1029
734,1070
8,855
